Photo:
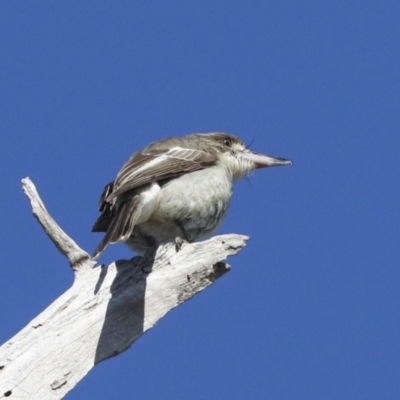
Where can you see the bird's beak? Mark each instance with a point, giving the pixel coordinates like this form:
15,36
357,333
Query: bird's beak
262,161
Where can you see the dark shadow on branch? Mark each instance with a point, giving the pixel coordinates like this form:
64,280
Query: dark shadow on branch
124,320
102,276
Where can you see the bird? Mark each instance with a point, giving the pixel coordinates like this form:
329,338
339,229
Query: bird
175,190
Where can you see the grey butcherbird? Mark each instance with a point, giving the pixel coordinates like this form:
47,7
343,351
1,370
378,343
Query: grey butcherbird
174,189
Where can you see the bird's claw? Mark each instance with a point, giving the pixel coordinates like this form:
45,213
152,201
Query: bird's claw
178,243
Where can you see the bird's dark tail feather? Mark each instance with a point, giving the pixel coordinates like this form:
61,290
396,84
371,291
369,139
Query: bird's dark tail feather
103,203
121,226
103,222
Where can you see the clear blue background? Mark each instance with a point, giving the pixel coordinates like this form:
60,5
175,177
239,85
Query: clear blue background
311,307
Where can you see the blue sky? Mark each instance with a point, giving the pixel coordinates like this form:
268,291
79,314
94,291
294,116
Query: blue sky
310,309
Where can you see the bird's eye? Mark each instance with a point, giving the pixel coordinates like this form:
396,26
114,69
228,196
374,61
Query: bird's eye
227,142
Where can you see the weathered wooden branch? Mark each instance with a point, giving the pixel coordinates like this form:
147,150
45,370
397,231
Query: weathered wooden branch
105,310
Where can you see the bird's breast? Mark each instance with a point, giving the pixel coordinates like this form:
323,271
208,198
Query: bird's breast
198,200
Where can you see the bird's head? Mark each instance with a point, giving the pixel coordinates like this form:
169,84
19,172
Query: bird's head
238,159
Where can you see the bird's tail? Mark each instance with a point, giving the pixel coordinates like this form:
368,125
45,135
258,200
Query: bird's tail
105,207
120,226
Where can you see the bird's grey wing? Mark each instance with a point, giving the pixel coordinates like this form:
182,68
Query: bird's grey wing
154,165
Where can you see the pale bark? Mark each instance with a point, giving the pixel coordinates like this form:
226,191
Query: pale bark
105,310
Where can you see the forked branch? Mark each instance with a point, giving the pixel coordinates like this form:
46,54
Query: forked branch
105,310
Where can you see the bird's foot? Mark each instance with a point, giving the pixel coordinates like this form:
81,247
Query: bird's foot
178,243
179,240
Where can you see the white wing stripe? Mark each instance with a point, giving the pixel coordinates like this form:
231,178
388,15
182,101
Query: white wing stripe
148,165
175,152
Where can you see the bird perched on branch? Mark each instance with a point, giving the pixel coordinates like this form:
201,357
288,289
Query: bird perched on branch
175,189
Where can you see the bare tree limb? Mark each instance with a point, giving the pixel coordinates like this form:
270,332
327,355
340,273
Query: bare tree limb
77,258
105,310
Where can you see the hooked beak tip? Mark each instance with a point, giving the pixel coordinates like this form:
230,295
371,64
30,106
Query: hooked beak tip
283,161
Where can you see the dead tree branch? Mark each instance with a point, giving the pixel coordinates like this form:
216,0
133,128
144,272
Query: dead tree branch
105,310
